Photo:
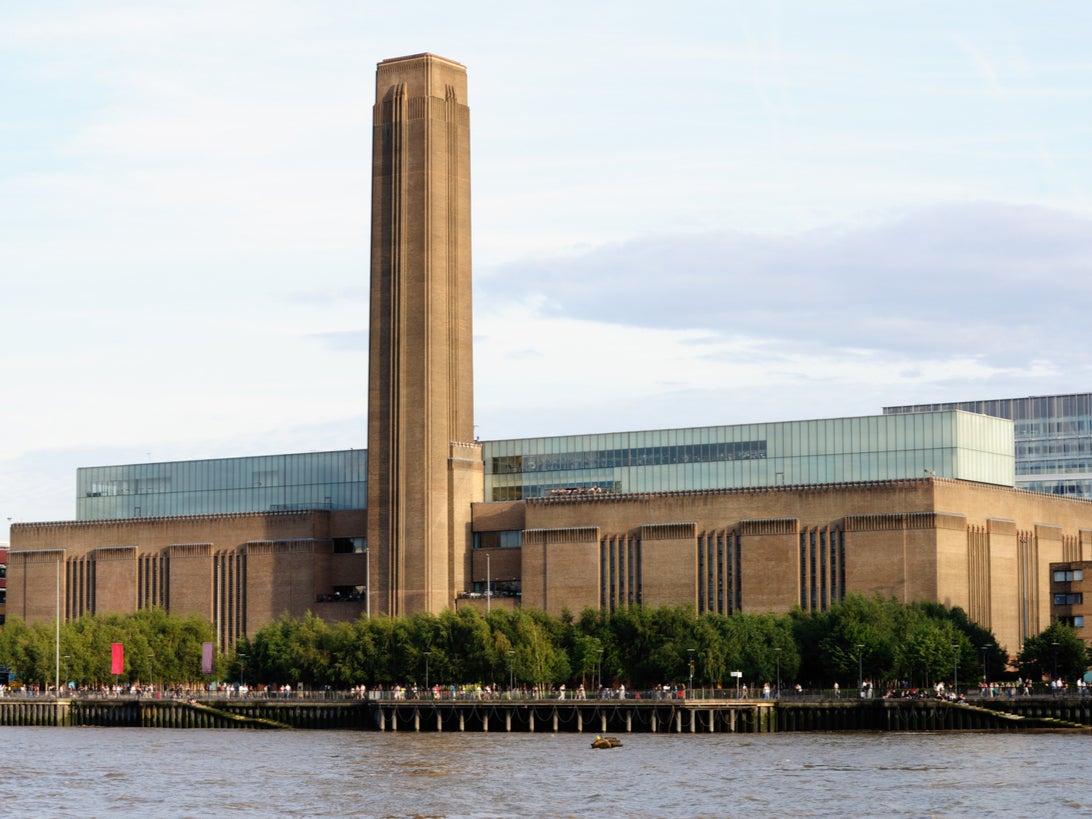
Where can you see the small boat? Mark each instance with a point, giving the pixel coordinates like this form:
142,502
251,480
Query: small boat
607,742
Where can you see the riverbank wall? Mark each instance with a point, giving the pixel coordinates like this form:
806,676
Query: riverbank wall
553,716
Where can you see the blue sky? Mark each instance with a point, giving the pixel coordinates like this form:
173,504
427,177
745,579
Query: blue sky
701,213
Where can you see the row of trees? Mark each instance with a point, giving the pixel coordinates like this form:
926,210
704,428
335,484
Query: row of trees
874,638
159,647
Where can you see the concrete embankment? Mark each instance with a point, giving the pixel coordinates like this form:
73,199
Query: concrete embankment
552,716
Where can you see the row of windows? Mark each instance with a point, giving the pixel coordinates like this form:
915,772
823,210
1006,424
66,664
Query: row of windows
511,539
792,438
228,501
1067,446
1037,408
806,470
1070,599
640,456
1053,428
342,466
1068,575
1064,466
1077,489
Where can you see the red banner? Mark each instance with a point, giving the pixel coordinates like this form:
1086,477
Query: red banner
117,658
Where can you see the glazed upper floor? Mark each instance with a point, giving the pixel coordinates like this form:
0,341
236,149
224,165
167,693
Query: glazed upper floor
839,450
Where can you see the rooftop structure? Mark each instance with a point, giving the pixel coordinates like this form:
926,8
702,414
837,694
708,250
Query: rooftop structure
832,450
1053,438
265,483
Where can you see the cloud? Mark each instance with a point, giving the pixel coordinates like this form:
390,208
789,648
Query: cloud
948,303
976,278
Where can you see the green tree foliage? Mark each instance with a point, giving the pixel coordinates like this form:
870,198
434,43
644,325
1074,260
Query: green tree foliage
890,643
1055,653
158,648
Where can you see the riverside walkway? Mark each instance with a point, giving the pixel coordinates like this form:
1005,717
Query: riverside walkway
630,716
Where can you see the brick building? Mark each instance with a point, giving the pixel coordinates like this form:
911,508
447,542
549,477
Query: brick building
751,518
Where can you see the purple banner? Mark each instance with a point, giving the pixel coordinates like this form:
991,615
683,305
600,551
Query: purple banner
206,658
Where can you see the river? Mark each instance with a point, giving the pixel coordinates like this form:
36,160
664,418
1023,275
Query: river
120,772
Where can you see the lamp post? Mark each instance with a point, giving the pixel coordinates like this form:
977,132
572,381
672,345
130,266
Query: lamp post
367,582
599,673
955,671
151,656
690,690
488,585
242,668
57,643
1054,674
860,669
985,670
426,669
511,672
777,691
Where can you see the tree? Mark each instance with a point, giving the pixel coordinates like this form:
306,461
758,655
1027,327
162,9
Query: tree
1055,653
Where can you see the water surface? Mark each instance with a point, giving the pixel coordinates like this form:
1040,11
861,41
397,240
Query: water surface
89,772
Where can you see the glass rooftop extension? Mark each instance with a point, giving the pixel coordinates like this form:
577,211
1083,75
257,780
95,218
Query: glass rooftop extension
836,450
949,444
311,480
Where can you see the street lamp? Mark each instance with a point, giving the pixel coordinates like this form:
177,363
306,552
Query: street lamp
599,673
777,691
242,668
511,672
1054,674
860,669
955,671
986,670
690,690
426,669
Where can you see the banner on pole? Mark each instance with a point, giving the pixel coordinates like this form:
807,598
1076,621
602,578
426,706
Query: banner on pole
206,658
117,658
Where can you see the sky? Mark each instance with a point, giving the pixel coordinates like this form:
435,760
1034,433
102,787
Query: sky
684,214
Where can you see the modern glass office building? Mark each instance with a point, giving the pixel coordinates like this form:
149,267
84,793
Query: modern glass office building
266,483
1053,438
835,450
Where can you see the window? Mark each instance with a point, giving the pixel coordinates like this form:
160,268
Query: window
1068,575
511,539
349,545
1072,599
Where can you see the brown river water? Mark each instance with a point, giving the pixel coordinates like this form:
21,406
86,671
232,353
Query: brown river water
120,772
